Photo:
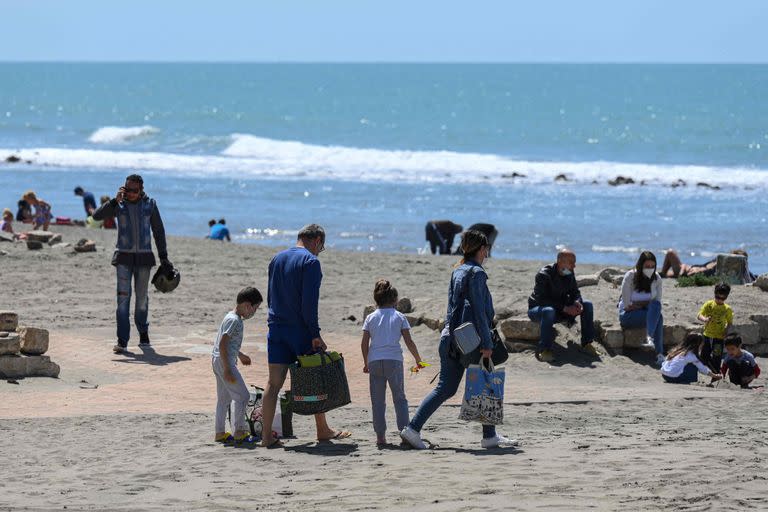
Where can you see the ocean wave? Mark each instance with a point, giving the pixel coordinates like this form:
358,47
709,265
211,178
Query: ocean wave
120,134
250,156
615,248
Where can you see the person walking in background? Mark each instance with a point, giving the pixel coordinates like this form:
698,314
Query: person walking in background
138,220
440,235
469,300
640,303
89,201
383,358
556,297
293,295
41,218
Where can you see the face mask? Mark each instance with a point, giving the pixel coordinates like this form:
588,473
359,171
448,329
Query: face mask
648,272
565,272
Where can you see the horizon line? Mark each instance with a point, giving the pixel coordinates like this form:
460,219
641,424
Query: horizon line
390,62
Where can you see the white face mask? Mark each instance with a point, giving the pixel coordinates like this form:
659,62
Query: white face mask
565,272
648,272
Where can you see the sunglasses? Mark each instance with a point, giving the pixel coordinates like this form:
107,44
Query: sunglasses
132,190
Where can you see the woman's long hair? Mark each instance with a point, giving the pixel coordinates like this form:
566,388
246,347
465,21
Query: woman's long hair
472,242
692,343
642,283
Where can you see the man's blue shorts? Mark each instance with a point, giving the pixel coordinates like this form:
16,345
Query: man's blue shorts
286,343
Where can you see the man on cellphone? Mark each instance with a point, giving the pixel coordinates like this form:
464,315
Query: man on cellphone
138,221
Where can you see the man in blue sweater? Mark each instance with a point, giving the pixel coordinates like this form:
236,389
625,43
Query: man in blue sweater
292,296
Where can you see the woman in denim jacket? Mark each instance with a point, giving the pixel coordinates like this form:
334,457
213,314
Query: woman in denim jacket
469,300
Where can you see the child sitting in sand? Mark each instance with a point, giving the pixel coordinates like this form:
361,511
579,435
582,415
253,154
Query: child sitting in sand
738,364
42,216
6,225
383,358
682,364
230,386
717,317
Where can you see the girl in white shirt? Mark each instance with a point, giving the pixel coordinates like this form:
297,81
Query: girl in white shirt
682,365
640,304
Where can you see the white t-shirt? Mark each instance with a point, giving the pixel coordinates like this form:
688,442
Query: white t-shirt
674,367
232,325
385,326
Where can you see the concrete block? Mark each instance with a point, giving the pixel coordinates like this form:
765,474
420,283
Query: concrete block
404,305
40,236
588,280
612,337
13,367
520,329
10,344
519,346
762,282
41,366
634,338
749,332
9,321
731,268
34,245
762,321
34,341
55,239
759,349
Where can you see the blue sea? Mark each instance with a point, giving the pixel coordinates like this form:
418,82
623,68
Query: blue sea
373,151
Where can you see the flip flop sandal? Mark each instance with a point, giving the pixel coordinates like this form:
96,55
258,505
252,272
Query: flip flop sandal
276,443
341,434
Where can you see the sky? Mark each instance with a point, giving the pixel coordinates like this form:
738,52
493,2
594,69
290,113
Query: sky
385,31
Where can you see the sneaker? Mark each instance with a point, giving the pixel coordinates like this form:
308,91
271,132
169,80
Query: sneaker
499,442
225,437
545,356
413,438
590,349
660,359
649,344
119,349
144,340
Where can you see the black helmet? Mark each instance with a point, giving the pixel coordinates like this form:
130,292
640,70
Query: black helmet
166,279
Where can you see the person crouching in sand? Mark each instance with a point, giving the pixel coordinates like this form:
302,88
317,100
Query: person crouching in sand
682,364
383,358
738,364
230,386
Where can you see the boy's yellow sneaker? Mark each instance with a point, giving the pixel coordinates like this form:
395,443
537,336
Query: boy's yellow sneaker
226,437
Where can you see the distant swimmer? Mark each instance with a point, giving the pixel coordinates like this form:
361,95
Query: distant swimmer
440,235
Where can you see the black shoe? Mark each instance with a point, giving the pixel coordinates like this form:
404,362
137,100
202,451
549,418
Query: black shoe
144,339
120,347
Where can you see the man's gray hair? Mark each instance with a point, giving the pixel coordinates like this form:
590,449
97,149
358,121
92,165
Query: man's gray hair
312,232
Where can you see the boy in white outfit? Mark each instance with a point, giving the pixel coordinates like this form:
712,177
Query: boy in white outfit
230,386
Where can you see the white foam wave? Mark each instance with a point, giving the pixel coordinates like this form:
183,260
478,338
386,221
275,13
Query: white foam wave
249,156
615,248
120,134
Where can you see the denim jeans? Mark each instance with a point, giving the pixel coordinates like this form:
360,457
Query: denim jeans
689,376
650,318
547,316
140,276
451,373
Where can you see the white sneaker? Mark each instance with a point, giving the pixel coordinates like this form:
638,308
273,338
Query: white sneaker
649,343
413,438
498,441
660,359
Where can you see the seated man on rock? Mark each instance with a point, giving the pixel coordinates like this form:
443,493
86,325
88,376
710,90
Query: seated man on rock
556,298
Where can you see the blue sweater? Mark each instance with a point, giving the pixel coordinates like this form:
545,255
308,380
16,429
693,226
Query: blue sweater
294,290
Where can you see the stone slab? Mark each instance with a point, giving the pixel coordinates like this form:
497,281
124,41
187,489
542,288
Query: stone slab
519,329
749,332
10,344
42,366
34,245
34,341
13,367
731,268
588,280
40,236
762,321
55,239
9,321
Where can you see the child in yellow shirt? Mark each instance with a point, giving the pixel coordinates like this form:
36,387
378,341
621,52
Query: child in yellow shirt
717,317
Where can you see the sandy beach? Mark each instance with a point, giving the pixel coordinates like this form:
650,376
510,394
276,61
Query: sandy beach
134,431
